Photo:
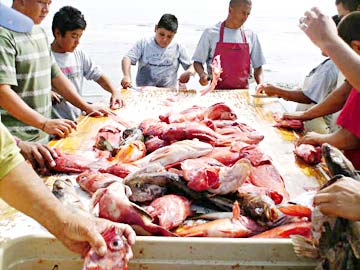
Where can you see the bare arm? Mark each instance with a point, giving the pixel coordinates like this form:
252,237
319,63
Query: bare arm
331,104
258,75
115,101
185,76
24,190
199,68
292,95
322,32
126,69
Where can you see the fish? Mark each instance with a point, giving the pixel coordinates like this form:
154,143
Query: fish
148,186
132,134
337,163
114,205
91,181
216,74
308,153
68,163
130,152
64,190
107,138
285,231
335,241
235,227
170,210
292,124
116,257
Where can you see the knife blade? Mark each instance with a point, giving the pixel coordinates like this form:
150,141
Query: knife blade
263,96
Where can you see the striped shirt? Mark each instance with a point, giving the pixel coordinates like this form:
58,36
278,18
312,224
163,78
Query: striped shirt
26,64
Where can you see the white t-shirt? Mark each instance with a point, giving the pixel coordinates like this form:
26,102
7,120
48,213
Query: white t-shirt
205,49
158,66
76,66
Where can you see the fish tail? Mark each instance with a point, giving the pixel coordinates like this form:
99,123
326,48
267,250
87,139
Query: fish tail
304,247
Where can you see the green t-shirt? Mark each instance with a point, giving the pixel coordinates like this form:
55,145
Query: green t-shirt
10,155
27,65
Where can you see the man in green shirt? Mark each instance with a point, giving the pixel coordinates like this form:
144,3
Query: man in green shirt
21,188
28,72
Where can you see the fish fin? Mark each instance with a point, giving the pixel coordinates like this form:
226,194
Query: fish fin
236,210
142,211
97,196
304,247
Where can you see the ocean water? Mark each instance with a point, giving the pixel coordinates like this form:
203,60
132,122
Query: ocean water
114,26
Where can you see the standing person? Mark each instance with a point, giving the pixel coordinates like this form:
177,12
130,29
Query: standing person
28,72
67,27
158,58
344,7
237,47
23,189
348,137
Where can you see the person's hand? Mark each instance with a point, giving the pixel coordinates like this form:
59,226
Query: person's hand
185,77
320,28
204,79
39,155
340,199
97,110
56,98
58,127
312,138
116,102
266,88
126,82
299,115
79,234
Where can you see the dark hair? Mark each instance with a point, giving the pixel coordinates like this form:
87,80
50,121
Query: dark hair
351,5
68,19
168,22
238,2
349,26
336,18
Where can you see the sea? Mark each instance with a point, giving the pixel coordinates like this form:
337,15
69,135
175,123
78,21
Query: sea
115,25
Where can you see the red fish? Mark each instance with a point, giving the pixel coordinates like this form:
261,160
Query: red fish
289,123
170,210
130,152
216,73
111,135
116,256
120,169
284,231
309,153
68,163
91,181
237,226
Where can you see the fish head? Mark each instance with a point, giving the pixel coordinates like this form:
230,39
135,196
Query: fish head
116,257
61,186
142,192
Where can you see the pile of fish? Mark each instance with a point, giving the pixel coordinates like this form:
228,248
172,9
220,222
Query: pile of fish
196,172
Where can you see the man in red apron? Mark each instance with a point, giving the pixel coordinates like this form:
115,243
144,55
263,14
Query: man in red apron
237,49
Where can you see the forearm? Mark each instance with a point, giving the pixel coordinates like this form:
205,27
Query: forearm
342,139
106,84
199,68
126,66
15,106
24,190
293,95
258,75
331,104
191,70
347,60
65,88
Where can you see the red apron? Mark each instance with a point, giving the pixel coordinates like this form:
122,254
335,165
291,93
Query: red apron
235,62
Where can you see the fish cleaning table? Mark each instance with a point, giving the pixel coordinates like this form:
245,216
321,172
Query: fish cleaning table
26,245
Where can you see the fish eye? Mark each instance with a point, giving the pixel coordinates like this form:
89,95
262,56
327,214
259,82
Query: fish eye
115,243
137,185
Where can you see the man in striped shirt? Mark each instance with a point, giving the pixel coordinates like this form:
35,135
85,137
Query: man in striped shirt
27,74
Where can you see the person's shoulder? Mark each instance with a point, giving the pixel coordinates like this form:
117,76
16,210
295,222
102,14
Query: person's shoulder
214,29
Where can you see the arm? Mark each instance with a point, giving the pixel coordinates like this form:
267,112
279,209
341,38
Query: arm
322,32
258,75
66,89
204,77
331,104
24,190
340,199
342,139
115,101
15,106
126,69
292,95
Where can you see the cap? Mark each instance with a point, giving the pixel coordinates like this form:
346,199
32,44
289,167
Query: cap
14,20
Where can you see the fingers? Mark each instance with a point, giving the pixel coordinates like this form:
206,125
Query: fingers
128,233
96,241
47,153
321,198
328,209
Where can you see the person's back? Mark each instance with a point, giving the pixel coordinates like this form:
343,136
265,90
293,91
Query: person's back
158,58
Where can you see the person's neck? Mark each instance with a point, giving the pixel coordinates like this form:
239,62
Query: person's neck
56,48
230,24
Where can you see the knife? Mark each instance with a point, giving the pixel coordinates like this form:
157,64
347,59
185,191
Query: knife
263,96
137,89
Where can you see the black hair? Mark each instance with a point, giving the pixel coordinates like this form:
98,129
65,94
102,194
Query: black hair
68,19
349,26
238,2
168,22
351,5
336,18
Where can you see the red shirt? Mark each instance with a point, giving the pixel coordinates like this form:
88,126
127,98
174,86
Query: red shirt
349,120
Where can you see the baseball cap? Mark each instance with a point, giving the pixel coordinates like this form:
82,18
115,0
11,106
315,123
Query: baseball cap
14,20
